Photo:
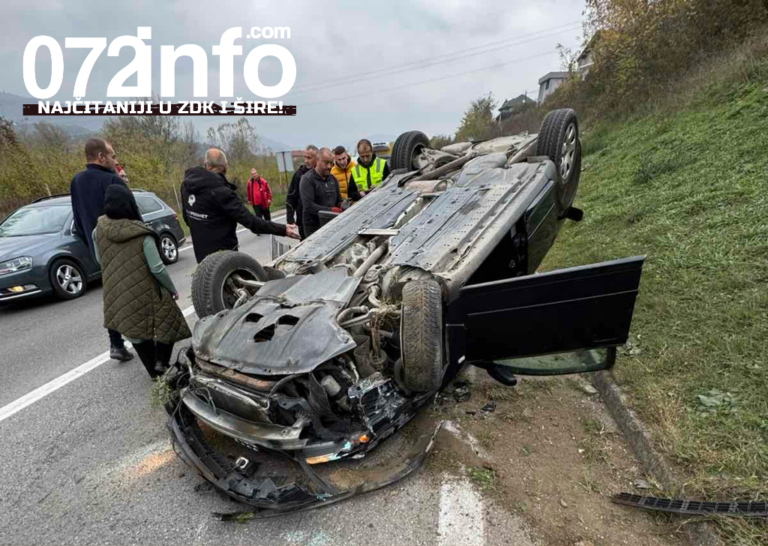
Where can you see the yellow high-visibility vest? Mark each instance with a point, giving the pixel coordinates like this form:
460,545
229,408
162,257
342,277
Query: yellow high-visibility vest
368,178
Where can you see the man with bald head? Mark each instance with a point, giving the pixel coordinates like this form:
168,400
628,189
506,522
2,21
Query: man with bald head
319,191
212,209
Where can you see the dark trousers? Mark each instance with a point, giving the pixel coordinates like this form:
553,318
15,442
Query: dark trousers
115,339
309,230
262,212
153,352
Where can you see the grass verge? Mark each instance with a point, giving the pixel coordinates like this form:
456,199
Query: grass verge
690,191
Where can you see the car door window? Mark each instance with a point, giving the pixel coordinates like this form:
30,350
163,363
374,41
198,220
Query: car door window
148,205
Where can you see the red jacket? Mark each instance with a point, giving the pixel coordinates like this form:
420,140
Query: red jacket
258,192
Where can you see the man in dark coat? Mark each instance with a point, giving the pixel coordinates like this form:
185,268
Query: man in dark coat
87,189
293,206
212,209
319,191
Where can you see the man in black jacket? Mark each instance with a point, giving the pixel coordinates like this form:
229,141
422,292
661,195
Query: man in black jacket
87,190
319,191
212,209
293,206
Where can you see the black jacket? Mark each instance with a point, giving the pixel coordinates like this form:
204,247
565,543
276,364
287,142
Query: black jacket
88,188
212,211
318,194
293,209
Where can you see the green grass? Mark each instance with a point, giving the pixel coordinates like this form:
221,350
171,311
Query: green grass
690,191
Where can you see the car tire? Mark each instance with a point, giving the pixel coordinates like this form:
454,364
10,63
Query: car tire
406,148
559,140
210,293
169,249
421,334
67,279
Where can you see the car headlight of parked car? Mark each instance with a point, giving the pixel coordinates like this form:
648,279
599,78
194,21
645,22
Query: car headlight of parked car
17,264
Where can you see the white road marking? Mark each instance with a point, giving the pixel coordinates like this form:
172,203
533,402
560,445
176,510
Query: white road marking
461,519
54,385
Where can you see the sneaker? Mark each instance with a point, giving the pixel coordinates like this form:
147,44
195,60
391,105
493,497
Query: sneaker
122,354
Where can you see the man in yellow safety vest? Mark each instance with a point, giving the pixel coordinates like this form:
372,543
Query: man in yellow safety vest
370,170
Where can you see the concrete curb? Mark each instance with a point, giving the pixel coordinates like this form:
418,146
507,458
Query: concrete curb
699,533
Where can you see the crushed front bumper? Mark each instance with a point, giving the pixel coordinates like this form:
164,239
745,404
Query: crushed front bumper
274,485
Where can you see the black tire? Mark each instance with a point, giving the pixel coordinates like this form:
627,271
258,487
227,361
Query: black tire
169,249
422,335
407,146
67,289
559,140
210,294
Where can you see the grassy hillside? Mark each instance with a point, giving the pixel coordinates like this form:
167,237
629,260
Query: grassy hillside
690,191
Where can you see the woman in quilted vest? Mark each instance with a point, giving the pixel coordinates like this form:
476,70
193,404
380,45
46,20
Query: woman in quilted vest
139,295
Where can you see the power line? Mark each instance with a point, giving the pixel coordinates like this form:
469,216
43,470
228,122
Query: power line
433,80
447,57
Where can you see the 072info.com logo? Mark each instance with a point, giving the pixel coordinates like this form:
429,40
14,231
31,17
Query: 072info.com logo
141,66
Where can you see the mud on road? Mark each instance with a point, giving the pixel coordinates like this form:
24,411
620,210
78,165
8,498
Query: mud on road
549,454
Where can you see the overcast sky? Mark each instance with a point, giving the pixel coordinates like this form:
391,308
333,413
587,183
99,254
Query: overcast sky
331,42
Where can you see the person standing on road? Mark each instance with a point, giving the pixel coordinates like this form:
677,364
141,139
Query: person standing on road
342,171
139,295
370,170
212,209
87,190
319,192
259,195
293,206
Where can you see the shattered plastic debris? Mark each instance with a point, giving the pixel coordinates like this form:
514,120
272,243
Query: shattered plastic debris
490,407
642,484
461,391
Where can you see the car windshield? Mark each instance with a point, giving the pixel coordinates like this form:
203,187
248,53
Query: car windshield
35,221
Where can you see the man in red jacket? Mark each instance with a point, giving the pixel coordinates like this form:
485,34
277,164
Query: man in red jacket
259,195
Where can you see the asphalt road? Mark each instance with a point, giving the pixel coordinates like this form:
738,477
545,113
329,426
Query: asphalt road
91,462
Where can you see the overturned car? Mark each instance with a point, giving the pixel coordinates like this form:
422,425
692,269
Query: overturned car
312,361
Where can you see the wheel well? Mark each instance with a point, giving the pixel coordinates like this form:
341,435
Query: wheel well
68,257
170,234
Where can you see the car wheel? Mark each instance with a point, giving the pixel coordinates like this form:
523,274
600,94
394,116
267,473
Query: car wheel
213,284
67,279
421,334
407,147
169,249
559,140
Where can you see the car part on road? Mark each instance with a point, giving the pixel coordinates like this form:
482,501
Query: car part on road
169,250
214,288
67,279
745,509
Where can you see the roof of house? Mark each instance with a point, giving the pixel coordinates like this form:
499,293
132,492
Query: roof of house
511,103
588,47
553,75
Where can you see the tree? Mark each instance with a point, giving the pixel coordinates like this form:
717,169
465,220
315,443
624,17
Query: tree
477,123
238,140
438,141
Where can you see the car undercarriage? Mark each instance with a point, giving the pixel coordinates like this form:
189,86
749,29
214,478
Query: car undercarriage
340,342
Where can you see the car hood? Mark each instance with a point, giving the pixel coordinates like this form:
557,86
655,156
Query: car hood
14,247
289,327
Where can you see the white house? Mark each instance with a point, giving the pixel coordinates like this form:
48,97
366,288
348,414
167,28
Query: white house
549,82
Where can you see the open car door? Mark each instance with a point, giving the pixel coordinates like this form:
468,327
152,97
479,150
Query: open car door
567,321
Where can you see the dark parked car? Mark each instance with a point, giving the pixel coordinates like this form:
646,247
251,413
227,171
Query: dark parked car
40,253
